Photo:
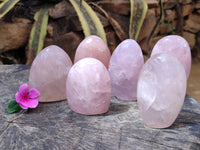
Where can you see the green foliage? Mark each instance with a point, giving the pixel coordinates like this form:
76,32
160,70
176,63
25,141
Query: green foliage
13,106
6,6
39,30
160,20
90,22
116,26
170,26
138,12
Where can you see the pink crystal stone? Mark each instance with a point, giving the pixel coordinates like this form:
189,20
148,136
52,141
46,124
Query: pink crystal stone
124,68
161,90
177,46
93,46
49,72
88,87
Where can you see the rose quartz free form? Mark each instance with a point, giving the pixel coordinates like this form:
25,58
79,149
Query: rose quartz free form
124,68
161,90
177,46
93,46
49,72
88,87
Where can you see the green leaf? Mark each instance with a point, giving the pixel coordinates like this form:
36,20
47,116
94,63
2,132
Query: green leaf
38,31
25,110
160,21
170,26
137,16
90,22
6,6
13,106
116,26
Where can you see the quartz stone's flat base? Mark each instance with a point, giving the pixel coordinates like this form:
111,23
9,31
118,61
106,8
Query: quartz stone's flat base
56,126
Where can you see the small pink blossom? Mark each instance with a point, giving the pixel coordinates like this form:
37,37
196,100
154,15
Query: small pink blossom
25,98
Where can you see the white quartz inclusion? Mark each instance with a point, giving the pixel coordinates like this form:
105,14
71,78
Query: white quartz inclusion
161,90
124,68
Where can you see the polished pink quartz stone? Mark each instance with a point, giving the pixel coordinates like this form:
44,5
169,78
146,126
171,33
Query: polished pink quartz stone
49,72
124,68
88,87
161,90
93,46
177,46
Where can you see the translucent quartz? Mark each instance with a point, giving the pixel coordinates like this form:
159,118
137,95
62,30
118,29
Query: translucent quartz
161,90
88,87
124,68
49,72
177,46
93,46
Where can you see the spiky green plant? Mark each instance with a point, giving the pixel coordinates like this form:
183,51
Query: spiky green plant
6,6
138,12
90,22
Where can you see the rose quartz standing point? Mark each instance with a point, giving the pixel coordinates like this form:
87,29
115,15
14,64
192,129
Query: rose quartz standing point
49,72
177,46
88,87
124,68
93,46
161,90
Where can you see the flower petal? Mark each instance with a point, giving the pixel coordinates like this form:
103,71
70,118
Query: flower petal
23,89
18,97
33,103
23,107
30,103
33,94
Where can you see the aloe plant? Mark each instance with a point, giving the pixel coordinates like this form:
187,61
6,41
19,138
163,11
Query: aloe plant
6,6
116,26
157,23
89,20
138,12
39,29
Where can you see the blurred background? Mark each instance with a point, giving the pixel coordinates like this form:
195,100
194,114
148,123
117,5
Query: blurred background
27,26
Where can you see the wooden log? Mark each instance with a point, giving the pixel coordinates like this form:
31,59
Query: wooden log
56,126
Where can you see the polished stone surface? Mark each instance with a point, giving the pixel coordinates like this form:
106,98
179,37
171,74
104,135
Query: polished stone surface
161,90
177,46
88,87
49,72
56,126
93,46
124,68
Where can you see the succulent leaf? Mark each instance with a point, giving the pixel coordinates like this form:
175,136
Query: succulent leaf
90,22
6,6
137,16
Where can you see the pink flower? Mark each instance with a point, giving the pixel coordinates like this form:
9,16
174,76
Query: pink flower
25,98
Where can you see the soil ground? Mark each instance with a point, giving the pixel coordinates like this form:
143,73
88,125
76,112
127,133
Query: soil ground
193,84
